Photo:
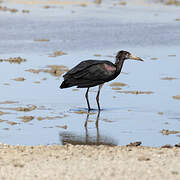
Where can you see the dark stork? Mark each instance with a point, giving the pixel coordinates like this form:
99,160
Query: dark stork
90,73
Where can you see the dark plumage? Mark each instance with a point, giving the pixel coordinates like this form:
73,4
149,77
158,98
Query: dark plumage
90,73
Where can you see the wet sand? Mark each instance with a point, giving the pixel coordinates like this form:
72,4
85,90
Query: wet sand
88,162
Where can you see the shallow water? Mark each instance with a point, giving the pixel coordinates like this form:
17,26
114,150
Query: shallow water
125,118
59,115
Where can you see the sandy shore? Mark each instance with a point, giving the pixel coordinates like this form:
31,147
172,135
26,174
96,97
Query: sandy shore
88,162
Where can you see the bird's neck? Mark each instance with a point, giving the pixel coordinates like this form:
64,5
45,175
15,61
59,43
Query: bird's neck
119,64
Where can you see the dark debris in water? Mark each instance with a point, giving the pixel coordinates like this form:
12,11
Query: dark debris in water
107,120
167,132
1,120
177,145
50,117
47,7
63,127
160,113
6,84
5,9
167,146
154,58
97,55
177,97
11,60
25,109
116,88
8,102
134,144
12,10
19,79
55,70
83,4
117,84
83,112
2,113
173,2
12,123
123,3
41,40
37,82
168,78
136,92
26,118
57,53
25,11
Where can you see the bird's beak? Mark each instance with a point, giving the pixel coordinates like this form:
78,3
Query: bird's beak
135,58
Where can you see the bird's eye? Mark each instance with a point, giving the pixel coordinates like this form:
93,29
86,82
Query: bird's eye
127,56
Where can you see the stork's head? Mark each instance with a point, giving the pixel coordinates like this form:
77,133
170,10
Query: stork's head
123,55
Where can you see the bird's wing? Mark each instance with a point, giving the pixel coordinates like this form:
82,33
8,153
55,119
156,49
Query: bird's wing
95,75
90,73
80,67
99,72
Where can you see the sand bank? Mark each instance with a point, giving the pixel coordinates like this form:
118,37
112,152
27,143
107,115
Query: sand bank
88,162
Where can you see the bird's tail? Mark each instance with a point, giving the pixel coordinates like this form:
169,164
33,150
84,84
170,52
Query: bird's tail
66,84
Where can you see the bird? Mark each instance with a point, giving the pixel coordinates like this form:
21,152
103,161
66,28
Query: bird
90,73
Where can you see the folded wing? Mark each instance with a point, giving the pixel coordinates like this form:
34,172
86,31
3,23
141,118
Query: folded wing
89,73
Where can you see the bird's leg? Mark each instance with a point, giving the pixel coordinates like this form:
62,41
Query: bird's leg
97,97
87,99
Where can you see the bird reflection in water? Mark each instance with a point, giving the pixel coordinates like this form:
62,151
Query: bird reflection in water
74,139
